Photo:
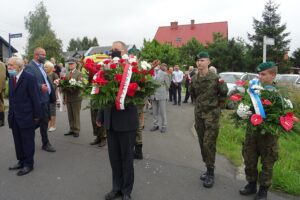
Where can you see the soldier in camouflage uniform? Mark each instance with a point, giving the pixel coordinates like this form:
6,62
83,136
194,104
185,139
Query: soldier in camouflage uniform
99,132
207,92
260,145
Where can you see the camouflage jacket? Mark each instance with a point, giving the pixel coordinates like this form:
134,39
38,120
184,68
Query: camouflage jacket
207,92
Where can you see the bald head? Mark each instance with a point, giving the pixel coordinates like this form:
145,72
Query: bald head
39,55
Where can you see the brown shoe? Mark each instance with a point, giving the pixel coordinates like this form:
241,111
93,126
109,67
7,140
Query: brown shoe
102,142
96,141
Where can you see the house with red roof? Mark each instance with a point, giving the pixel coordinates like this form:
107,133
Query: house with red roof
178,35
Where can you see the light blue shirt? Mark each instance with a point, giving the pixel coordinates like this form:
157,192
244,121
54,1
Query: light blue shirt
41,68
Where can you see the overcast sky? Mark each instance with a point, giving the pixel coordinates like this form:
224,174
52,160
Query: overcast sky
133,20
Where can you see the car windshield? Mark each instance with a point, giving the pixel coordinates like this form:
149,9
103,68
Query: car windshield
230,78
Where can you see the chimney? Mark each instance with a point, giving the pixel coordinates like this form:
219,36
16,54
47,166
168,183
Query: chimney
174,25
192,24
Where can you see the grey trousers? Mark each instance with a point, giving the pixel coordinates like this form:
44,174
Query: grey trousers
159,110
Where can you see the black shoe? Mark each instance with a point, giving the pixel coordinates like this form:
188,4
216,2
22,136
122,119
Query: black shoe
112,195
250,188
76,135
15,167
203,176
69,133
184,102
126,197
154,128
24,170
163,130
96,141
102,143
48,147
174,104
210,178
262,193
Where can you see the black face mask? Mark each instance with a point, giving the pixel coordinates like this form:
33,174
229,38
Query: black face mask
116,54
42,59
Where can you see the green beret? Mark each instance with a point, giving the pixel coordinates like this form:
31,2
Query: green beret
202,54
264,66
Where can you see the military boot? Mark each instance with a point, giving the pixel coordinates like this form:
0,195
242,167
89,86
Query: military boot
210,178
262,193
138,153
2,119
250,188
203,176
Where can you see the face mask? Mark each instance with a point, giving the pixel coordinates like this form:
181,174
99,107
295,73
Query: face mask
116,54
12,72
42,59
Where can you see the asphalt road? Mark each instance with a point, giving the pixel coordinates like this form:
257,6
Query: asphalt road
78,171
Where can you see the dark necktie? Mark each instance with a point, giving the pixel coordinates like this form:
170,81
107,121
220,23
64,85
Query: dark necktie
70,76
15,81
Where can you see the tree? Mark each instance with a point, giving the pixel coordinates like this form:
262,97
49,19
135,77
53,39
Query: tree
189,50
40,34
296,58
269,26
83,44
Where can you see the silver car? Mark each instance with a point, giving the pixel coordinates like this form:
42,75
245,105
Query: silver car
288,80
231,77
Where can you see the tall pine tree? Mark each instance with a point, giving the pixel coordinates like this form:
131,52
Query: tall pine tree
269,26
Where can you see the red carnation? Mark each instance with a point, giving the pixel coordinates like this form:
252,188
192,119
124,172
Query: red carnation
135,70
292,116
256,119
236,97
286,122
134,64
143,79
151,72
266,102
221,81
121,61
113,66
118,77
132,87
240,82
100,79
106,61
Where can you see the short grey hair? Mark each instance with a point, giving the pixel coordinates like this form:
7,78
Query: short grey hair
19,61
49,64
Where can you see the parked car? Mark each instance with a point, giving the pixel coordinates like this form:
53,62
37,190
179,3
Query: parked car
288,80
231,77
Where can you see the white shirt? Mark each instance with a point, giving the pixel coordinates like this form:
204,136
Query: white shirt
18,75
177,76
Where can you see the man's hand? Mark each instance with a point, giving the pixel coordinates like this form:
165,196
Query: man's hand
44,88
98,123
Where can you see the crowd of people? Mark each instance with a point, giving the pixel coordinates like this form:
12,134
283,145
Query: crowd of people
34,96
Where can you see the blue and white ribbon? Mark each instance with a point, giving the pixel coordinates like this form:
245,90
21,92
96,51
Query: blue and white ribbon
254,84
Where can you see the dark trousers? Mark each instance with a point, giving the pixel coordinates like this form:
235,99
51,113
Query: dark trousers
120,150
187,93
24,144
171,91
177,90
44,123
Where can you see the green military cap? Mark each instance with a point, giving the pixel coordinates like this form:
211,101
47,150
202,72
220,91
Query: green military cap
265,65
202,54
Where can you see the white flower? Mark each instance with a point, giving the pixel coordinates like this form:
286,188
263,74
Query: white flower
100,63
132,59
243,111
288,103
125,57
145,65
116,60
72,81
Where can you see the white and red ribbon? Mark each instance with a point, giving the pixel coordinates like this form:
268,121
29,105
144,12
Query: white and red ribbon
120,100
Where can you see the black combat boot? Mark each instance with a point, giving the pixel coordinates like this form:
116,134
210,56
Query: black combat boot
203,176
138,153
210,178
2,119
262,193
250,188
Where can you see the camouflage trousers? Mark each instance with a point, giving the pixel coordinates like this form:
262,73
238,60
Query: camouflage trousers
207,131
263,146
97,131
139,136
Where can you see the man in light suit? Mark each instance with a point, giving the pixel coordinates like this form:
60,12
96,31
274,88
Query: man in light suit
46,93
73,99
24,113
159,99
121,126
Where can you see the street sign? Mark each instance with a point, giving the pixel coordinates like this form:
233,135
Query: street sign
270,41
16,35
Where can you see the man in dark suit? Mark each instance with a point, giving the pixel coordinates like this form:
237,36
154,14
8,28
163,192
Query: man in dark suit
46,93
24,112
121,126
